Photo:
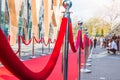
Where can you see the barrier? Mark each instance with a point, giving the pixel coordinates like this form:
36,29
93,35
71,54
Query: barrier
19,69
86,52
72,44
23,40
79,53
91,50
42,41
19,46
23,73
33,54
42,47
49,45
47,42
38,41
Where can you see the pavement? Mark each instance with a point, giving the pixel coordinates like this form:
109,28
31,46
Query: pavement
27,51
104,66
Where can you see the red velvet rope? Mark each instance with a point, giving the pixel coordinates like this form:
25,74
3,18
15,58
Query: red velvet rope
90,42
18,45
13,64
23,40
82,45
47,42
73,46
38,41
17,51
9,38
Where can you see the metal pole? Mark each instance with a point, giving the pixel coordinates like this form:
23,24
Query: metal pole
19,46
28,18
20,31
33,46
66,53
42,47
49,46
88,52
33,54
79,53
85,54
6,4
67,4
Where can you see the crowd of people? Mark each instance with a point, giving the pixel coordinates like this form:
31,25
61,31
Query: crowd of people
112,44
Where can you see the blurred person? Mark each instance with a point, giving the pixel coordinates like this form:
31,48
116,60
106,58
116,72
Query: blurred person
112,46
95,42
101,42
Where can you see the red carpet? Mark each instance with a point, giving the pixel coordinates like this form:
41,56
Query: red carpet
39,63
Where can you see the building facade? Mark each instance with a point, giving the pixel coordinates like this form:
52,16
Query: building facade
40,18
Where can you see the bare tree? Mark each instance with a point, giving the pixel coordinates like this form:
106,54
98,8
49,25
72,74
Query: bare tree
112,13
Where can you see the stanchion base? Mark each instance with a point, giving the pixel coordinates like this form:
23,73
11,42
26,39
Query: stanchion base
88,64
42,54
90,57
86,70
21,60
82,64
32,57
48,53
89,60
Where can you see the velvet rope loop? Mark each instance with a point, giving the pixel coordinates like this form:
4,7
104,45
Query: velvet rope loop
7,57
38,41
18,45
74,46
47,42
23,40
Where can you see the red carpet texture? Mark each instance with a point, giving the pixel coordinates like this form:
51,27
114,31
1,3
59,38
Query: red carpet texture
36,65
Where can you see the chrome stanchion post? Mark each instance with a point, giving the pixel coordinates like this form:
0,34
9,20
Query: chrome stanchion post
86,54
91,50
19,42
67,5
79,53
49,44
8,31
90,55
20,34
33,53
42,46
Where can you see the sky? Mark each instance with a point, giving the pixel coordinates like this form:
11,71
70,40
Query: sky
85,9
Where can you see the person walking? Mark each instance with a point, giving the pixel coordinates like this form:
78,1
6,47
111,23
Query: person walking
95,42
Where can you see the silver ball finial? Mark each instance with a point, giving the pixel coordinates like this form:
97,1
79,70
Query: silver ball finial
67,4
